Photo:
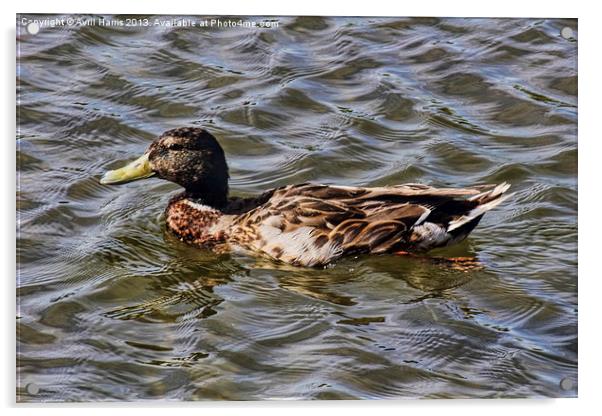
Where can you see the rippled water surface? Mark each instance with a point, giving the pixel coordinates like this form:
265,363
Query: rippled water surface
111,307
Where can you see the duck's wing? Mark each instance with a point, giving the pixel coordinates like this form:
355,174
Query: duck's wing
312,224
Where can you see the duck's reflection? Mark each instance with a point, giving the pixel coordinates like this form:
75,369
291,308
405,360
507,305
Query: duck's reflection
319,284
436,274
186,285
429,274
182,288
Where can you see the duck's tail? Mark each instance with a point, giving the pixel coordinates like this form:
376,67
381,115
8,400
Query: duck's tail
485,201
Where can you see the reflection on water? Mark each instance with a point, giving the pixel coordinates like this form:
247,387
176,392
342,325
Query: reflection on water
113,308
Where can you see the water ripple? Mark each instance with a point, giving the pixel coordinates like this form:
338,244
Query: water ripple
112,307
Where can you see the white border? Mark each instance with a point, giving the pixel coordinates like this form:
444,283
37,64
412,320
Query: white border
589,203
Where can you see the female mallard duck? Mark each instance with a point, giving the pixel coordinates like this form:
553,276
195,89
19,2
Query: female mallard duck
304,224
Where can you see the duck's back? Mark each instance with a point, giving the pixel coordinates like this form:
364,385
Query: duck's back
312,224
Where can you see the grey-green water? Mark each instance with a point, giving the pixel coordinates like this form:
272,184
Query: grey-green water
110,307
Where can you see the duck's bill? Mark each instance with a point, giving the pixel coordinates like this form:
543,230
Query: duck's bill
138,169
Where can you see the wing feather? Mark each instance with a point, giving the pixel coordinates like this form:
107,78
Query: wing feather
312,224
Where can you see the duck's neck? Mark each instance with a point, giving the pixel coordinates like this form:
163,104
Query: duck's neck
214,198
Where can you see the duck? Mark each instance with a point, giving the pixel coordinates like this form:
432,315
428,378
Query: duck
307,224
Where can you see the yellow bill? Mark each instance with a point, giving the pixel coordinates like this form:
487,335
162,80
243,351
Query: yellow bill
138,169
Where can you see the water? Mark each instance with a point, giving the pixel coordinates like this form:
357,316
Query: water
111,307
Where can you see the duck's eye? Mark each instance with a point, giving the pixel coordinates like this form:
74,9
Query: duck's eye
175,146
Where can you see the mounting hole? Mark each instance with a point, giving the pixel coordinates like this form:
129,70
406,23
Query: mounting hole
33,28
566,32
32,388
566,384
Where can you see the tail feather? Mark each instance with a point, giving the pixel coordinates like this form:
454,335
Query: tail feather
486,201
491,194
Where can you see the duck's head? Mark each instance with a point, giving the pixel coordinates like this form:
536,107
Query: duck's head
189,156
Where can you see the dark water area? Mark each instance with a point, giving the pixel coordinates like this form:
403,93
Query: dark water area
111,307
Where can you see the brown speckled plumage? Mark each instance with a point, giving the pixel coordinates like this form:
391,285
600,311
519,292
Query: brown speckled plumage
307,224
192,225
